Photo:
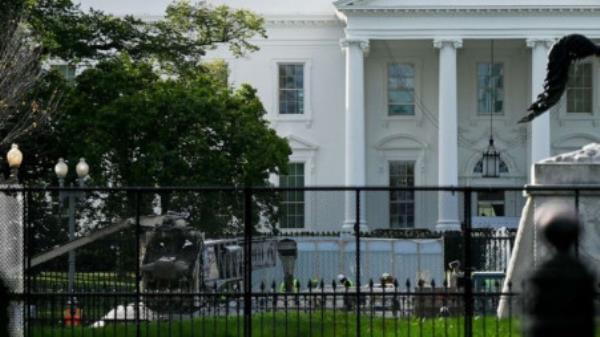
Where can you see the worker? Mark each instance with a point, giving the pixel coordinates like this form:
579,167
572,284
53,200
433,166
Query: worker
344,281
295,286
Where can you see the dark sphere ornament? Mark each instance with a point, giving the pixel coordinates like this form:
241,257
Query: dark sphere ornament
560,226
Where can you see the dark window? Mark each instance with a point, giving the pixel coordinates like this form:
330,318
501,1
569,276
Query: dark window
490,203
292,206
402,203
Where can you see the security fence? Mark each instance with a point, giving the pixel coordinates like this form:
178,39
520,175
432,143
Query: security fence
310,261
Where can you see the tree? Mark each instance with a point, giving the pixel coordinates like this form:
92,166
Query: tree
138,129
149,112
31,31
20,73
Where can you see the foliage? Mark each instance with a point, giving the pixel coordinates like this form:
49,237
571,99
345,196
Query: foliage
20,73
32,31
180,39
139,129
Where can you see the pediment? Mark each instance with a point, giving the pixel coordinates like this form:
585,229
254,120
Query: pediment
299,144
398,142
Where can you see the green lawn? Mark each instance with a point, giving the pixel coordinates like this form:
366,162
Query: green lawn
53,280
303,325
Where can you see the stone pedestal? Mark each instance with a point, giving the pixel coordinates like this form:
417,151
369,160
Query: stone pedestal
11,253
569,170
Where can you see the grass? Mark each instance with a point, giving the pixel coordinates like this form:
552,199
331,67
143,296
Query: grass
342,324
54,280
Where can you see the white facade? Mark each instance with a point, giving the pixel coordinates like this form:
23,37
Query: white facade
346,136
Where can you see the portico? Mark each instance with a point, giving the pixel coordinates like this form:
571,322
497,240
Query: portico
447,29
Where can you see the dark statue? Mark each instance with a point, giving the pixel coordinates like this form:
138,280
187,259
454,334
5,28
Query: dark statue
559,295
567,50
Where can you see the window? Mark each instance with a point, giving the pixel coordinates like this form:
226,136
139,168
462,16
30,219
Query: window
490,86
502,167
579,88
292,205
291,89
490,203
402,203
66,70
401,89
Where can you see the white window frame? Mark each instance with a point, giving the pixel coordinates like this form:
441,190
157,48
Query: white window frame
504,72
417,63
564,114
274,114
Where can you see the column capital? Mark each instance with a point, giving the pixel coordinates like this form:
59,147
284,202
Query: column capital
533,42
363,44
453,42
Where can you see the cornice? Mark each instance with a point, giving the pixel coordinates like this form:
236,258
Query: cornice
302,21
471,10
277,21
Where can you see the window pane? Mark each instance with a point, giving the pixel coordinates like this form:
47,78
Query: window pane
490,88
490,203
292,204
401,89
291,88
402,203
580,88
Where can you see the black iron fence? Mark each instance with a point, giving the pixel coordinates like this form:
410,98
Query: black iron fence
210,262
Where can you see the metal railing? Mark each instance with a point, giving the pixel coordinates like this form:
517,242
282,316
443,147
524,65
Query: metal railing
113,295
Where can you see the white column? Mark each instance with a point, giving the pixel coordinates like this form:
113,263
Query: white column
355,141
447,133
540,127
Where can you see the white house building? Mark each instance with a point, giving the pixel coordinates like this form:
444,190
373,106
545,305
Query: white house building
407,92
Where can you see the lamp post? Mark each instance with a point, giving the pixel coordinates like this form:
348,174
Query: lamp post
71,197
14,157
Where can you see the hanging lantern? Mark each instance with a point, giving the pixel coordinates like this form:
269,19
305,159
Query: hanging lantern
491,161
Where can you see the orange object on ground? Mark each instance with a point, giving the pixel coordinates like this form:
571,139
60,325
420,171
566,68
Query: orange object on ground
72,316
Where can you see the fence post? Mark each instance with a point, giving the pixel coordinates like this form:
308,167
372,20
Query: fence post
138,276
27,253
577,212
247,262
357,255
468,283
